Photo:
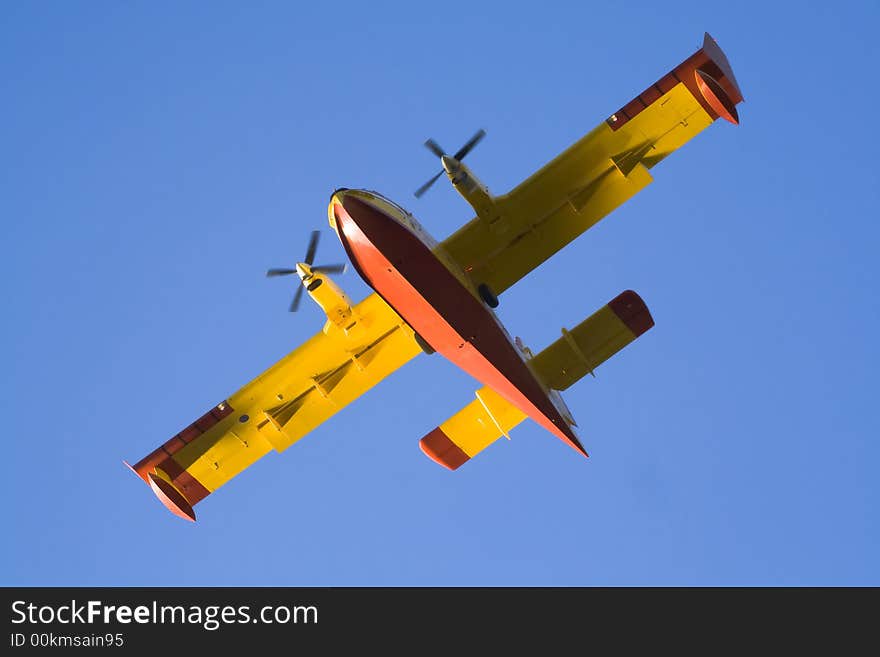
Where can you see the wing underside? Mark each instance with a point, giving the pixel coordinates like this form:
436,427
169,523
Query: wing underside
280,406
598,173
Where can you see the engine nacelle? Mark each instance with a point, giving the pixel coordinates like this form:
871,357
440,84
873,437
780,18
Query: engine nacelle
333,301
469,186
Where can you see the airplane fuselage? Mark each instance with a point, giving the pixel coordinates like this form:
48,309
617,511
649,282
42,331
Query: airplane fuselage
407,268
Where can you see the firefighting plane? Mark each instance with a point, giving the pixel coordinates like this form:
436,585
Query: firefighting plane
432,296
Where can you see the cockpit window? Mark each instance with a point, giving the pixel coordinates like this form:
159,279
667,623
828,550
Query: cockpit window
390,202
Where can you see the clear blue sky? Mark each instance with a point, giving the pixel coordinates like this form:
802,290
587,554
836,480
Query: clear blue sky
157,158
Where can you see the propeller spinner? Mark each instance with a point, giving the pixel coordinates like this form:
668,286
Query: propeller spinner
435,148
305,270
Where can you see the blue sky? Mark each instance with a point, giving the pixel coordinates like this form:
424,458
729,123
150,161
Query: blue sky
157,159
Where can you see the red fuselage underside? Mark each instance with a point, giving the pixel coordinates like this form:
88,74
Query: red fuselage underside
404,271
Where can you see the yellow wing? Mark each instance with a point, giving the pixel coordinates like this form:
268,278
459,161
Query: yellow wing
280,406
577,353
596,174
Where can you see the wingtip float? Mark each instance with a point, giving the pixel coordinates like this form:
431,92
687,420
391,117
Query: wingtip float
439,296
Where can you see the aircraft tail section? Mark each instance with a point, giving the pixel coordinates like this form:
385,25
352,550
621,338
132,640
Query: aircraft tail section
577,353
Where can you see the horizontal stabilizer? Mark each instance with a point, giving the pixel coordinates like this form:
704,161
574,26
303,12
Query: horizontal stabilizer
577,353
596,339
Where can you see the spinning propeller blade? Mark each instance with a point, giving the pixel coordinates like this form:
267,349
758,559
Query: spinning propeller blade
311,250
437,150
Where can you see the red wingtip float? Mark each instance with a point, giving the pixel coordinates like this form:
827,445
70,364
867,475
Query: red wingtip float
440,296
716,82
149,469
172,498
717,98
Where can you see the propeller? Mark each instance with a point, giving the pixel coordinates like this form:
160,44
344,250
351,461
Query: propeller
311,249
437,150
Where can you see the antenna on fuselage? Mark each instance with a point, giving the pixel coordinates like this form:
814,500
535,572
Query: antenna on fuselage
447,160
307,272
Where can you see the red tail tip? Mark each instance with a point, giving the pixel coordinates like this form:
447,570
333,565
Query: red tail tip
632,311
439,448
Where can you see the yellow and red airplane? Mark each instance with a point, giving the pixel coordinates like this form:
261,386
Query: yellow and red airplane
432,296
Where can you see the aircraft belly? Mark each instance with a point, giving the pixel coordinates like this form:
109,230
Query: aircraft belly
433,301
